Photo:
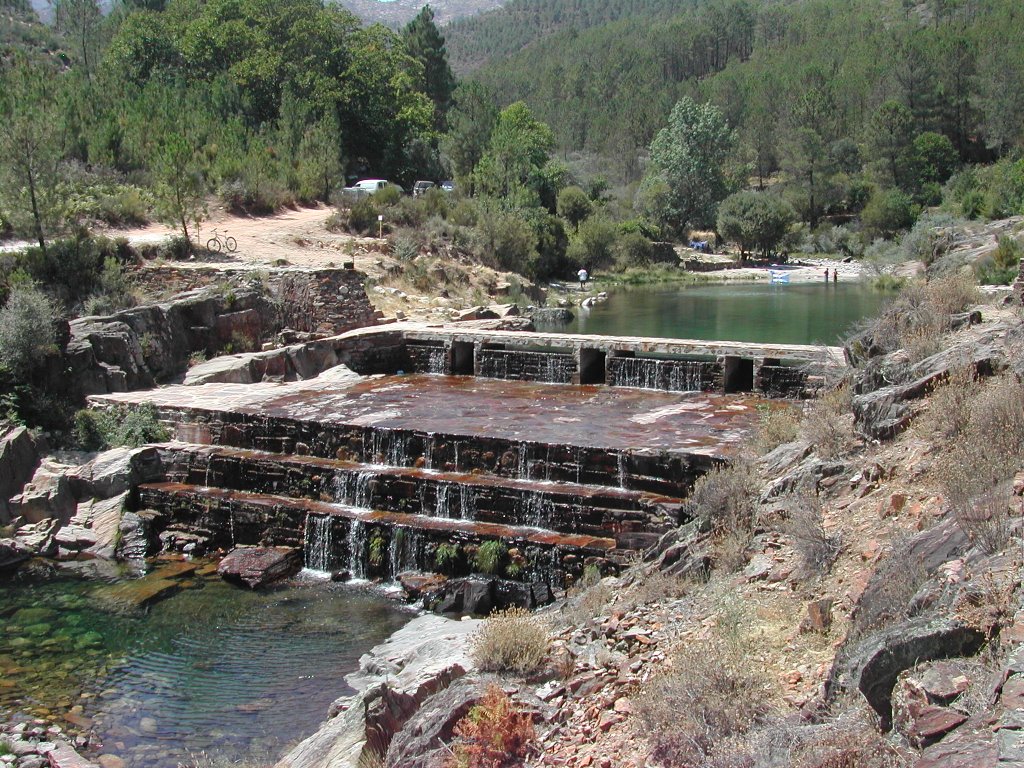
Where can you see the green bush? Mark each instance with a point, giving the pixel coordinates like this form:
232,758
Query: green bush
633,250
888,212
121,426
491,557
447,558
594,243
387,197
27,330
362,216
1002,266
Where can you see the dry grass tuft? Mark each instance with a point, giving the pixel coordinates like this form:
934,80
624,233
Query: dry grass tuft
805,527
709,693
513,640
777,426
977,470
889,596
828,423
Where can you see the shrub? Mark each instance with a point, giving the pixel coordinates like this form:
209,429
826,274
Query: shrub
978,470
723,499
711,692
887,212
828,423
492,735
889,594
502,239
447,558
931,237
949,405
362,216
633,250
120,426
490,557
513,640
1002,265
27,325
776,426
805,527
594,243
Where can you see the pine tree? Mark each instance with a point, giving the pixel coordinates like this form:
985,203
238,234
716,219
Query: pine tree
425,43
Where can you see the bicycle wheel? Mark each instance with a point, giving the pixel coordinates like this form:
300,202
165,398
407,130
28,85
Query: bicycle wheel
231,244
213,245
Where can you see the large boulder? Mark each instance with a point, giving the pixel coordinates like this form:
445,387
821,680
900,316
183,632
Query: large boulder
394,681
256,567
19,458
114,472
138,534
479,595
875,664
47,496
12,553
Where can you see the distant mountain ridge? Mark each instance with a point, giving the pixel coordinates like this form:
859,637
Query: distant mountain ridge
394,13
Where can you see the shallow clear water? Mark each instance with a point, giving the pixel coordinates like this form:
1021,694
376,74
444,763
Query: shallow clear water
212,668
795,313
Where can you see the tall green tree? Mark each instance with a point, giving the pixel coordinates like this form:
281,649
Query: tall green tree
519,148
425,43
755,220
890,141
180,186
470,123
31,144
808,138
688,166
81,23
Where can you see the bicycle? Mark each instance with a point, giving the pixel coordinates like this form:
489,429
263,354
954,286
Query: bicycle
216,244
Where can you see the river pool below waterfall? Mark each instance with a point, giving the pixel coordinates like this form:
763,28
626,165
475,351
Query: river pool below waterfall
797,313
211,669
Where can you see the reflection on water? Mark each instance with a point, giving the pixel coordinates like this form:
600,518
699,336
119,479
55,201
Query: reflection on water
795,313
213,667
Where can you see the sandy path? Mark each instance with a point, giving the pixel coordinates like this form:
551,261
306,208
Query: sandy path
297,237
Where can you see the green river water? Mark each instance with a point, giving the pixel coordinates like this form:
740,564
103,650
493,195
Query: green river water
794,313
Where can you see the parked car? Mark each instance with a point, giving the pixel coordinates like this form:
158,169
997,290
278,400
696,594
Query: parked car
420,187
448,186
370,186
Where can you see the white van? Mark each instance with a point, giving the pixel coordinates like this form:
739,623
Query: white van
369,187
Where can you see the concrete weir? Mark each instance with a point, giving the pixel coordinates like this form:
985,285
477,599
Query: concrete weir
530,456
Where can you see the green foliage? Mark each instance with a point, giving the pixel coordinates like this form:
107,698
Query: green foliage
574,205
30,146
470,122
362,216
447,558
378,546
425,44
491,557
633,250
180,183
755,220
687,166
502,239
888,212
1002,266
519,147
122,426
594,244
27,330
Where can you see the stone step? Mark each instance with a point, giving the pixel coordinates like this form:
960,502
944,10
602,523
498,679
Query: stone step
564,507
387,542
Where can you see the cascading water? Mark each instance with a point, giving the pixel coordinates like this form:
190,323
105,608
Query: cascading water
355,489
318,542
436,358
428,452
467,502
523,463
443,507
357,549
621,461
538,509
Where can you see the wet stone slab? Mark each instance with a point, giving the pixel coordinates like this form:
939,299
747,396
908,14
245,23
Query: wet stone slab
610,417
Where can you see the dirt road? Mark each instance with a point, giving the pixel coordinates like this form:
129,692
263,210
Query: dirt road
297,237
